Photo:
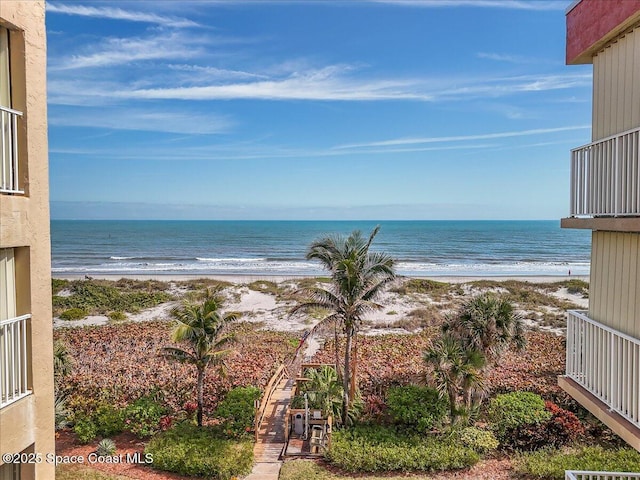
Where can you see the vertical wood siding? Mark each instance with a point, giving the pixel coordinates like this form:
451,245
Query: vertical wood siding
616,87
614,299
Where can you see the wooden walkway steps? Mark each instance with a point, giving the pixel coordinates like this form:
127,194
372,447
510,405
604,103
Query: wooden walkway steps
270,438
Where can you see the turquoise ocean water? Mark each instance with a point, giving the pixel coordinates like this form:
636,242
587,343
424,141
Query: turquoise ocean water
421,248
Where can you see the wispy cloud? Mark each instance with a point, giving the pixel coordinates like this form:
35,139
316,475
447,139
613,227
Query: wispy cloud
120,51
336,83
119,14
460,138
329,83
213,73
502,57
180,121
508,4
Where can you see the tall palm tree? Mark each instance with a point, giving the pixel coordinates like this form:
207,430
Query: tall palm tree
456,370
357,279
202,327
489,324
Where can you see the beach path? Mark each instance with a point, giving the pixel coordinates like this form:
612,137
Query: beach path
271,440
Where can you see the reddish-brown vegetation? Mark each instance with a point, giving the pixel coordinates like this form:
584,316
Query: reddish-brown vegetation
121,363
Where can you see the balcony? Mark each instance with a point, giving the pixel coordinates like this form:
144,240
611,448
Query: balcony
606,363
9,179
14,360
583,475
605,177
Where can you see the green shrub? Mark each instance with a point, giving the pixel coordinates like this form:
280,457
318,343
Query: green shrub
108,420
380,449
142,417
74,314
106,448
117,316
416,408
551,464
85,430
237,410
58,284
510,415
101,297
189,450
481,441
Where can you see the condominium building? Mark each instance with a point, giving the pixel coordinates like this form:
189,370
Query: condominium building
26,365
603,343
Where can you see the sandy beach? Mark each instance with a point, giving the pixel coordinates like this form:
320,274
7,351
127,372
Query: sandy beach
407,307
234,278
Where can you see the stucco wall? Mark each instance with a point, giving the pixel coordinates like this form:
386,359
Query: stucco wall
24,223
593,23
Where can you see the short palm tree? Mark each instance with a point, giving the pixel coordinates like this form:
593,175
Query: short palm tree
325,390
202,327
456,370
358,276
487,323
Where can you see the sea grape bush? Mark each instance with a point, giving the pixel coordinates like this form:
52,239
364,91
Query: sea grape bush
142,417
416,408
381,449
237,411
516,418
189,450
563,427
481,441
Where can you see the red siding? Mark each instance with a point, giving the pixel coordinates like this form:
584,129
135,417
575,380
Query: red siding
591,20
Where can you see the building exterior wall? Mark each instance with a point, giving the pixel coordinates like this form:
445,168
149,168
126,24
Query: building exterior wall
591,24
616,86
614,294
28,424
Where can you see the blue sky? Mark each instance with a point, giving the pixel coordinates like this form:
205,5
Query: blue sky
404,109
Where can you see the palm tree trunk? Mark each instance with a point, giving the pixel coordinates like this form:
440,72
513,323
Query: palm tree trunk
453,397
200,394
346,380
337,351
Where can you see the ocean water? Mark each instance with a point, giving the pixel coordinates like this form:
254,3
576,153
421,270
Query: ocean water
421,248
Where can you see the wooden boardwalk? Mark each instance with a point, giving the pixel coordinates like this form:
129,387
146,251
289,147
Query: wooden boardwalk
270,442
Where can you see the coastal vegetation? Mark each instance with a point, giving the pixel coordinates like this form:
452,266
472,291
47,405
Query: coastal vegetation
116,381
358,277
203,328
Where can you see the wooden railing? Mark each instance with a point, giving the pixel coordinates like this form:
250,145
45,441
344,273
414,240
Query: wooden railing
605,176
605,362
264,401
9,178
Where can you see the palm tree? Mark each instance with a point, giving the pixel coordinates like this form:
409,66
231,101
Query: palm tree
357,279
456,370
61,360
488,324
201,326
325,390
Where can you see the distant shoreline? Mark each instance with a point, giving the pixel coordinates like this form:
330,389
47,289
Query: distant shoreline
248,278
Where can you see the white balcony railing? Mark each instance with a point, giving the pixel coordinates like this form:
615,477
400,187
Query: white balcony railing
606,363
9,180
14,360
605,176
584,475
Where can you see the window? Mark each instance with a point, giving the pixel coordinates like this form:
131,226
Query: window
8,122
14,361
7,284
10,471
